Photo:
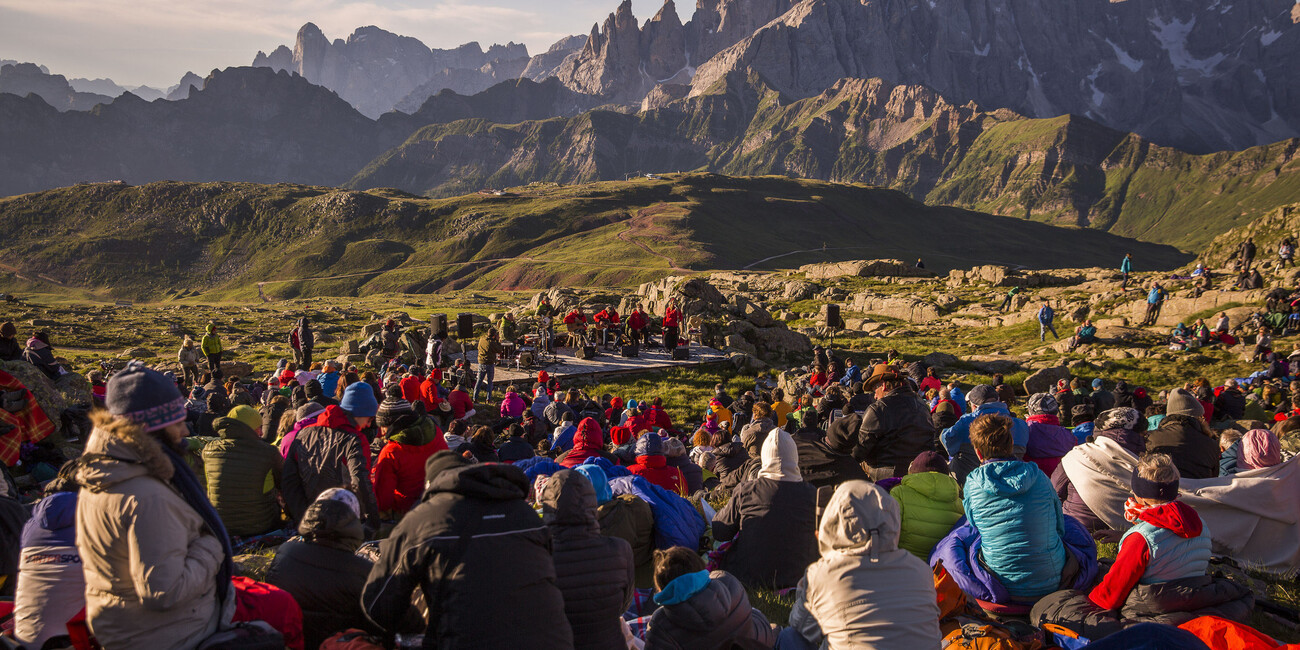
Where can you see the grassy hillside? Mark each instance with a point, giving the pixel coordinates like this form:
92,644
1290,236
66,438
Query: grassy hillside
222,239
1065,170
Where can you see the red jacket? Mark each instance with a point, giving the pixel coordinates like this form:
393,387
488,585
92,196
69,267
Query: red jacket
574,317
673,318
640,423
656,470
411,388
637,320
661,418
1133,557
460,403
399,475
588,442
429,395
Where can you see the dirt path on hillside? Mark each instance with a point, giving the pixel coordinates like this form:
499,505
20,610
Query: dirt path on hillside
625,236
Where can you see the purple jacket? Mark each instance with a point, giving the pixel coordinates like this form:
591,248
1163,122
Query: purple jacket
513,406
960,554
297,426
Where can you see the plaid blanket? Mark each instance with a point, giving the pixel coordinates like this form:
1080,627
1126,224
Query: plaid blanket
28,425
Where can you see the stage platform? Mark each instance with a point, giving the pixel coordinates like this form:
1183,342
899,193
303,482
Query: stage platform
606,364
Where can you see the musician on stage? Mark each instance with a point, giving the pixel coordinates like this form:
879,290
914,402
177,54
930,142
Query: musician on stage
672,325
576,323
607,321
545,316
636,324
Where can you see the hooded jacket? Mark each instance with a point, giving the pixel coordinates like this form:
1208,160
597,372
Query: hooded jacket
512,405
894,429
929,506
1168,542
477,550
588,442
771,520
653,465
51,589
147,557
865,592
706,614
1195,454
322,572
1012,505
595,573
398,474
1093,480
242,473
1048,441
332,453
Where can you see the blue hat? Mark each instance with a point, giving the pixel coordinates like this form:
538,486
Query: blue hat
145,397
359,400
649,444
1097,383
598,480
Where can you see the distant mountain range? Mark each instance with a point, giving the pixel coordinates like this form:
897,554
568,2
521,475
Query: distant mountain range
1158,119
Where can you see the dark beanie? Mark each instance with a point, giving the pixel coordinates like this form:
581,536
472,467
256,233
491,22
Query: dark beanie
145,397
313,390
441,462
1181,402
1083,411
928,461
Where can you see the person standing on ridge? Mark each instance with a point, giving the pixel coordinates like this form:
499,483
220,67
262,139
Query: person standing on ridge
1126,267
1246,253
1045,317
306,341
211,346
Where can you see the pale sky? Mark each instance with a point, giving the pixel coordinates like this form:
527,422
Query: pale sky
154,42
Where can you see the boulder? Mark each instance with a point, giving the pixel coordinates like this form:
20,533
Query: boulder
798,290
236,369
940,360
774,341
48,395
746,363
1078,314
862,268
371,329
905,309
1045,380
137,353
738,343
75,389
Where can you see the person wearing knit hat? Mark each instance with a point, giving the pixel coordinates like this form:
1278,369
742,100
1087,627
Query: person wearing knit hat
653,465
144,519
410,439
1082,415
242,473
930,501
1048,440
1184,435
392,407
332,453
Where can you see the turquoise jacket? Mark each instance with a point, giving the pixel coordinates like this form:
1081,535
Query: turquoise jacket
1018,515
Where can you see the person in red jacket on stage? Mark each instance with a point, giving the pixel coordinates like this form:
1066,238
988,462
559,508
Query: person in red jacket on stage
672,326
576,323
609,323
636,324
653,465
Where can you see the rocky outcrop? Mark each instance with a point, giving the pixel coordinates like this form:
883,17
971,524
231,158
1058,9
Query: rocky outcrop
545,65
189,83
1178,309
1005,276
375,70
862,269
902,308
609,65
1044,381
1155,67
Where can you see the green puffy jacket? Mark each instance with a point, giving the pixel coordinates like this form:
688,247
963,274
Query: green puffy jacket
931,504
242,474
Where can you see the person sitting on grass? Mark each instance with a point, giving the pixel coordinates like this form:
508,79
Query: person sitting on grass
1017,514
1159,574
698,609
1083,334
956,439
929,504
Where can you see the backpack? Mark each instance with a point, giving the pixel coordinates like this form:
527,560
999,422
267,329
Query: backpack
976,634
352,639
294,341
254,635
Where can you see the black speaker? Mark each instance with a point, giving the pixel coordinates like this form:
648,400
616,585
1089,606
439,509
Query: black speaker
465,325
587,352
681,353
438,324
631,350
833,316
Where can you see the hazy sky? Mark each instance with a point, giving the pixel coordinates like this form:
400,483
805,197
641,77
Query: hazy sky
154,42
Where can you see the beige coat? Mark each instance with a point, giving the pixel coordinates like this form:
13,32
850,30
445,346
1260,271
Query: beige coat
150,565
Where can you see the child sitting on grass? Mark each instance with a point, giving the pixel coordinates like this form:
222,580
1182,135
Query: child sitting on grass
698,609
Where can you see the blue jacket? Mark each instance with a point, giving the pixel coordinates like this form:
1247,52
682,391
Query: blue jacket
960,554
1126,266
329,383
1155,295
851,374
1083,432
677,522
960,398
1228,460
1018,515
956,438
1045,314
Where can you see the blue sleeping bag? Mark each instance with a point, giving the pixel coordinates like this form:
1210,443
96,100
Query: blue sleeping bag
677,522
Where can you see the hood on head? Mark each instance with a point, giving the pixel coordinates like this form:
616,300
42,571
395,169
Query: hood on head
1176,516
780,457
232,429
494,481
599,481
332,523
936,486
128,452
1007,478
589,437
649,444
568,499
861,518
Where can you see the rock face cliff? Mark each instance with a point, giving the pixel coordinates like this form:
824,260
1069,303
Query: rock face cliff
375,70
1200,76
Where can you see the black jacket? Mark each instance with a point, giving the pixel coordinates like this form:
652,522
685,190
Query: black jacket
594,572
1194,453
774,526
719,616
858,403
1230,405
894,429
10,350
321,458
483,559
822,466
322,573
731,458
515,449
44,361
694,475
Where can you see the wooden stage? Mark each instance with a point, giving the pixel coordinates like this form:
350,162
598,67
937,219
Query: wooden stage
606,364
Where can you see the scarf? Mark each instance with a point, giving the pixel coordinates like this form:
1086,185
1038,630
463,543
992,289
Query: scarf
185,482
1133,510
